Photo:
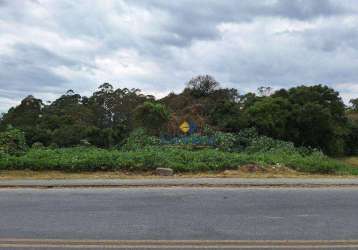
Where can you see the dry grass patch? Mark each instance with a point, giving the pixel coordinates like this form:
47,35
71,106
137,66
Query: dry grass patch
351,160
51,175
246,171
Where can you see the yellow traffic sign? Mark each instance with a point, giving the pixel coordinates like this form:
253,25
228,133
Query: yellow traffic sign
185,127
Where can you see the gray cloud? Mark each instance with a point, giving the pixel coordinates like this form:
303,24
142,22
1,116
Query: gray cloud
198,19
28,70
47,47
308,9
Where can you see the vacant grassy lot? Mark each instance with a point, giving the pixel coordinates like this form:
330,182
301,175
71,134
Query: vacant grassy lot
180,160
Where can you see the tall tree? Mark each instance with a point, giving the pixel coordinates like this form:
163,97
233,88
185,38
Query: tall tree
202,85
269,116
26,117
354,103
317,118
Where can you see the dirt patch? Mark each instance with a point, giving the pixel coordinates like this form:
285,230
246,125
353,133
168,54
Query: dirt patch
246,171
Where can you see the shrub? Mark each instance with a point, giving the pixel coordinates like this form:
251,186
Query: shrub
53,146
224,141
245,137
152,116
139,139
37,145
12,142
267,144
247,140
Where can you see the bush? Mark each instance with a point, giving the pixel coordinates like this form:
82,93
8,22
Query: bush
235,142
267,144
139,139
247,140
224,141
53,146
245,137
152,116
37,145
12,142
220,140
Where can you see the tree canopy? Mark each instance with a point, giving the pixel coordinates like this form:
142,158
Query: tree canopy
354,103
311,116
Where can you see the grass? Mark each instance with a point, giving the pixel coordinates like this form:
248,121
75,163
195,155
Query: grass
180,160
50,175
58,175
351,161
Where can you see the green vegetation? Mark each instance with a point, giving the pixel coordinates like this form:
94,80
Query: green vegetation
152,116
180,160
123,129
143,152
354,103
353,161
12,142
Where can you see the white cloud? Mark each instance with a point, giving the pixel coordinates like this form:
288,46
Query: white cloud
348,91
47,47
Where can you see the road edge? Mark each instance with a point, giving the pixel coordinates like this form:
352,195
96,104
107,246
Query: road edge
184,182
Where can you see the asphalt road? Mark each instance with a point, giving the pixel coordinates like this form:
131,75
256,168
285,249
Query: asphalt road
195,182
216,214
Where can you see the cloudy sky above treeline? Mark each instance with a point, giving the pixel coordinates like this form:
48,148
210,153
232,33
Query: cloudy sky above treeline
48,47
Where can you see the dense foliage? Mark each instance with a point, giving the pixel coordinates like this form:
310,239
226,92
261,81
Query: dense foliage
307,116
152,116
211,151
12,142
139,140
179,159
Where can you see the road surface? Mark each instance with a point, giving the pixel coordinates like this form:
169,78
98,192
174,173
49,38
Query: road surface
220,215
179,182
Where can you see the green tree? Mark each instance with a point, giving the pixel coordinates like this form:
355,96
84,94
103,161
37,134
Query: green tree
102,102
354,103
227,116
12,141
202,85
264,91
125,102
151,116
113,109
25,116
248,100
28,113
317,118
69,135
352,139
306,115
269,116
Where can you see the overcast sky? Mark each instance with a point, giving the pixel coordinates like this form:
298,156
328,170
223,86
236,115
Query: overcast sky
48,47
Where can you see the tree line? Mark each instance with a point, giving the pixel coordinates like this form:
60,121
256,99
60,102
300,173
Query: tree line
309,116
